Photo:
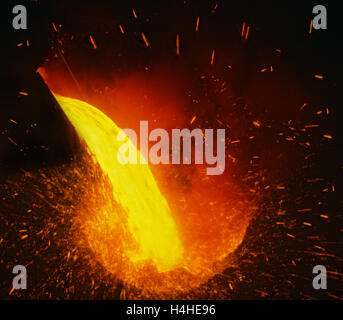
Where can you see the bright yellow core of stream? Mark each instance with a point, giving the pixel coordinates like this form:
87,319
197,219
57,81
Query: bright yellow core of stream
147,217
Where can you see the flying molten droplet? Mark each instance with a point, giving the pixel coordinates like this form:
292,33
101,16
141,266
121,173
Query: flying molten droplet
148,217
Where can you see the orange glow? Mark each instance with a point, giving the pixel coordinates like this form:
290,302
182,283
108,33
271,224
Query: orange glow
197,24
121,29
212,56
134,14
198,219
147,44
311,26
177,44
93,42
148,216
318,76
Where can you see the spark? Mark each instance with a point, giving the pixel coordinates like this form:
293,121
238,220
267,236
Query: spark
121,29
257,124
318,76
12,141
247,33
54,26
147,44
243,30
197,24
304,210
311,25
212,56
303,106
177,44
92,41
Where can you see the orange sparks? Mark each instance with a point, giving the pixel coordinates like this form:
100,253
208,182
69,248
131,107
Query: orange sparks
134,14
318,76
19,44
23,93
13,121
303,106
177,44
247,33
257,124
54,26
197,24
311,25
318,247
147,44
212,57
243,30
12,141
92,41
121,29
193,119
27,43
327,136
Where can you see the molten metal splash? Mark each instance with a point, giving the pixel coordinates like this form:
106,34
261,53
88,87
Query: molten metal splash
144,210
127,226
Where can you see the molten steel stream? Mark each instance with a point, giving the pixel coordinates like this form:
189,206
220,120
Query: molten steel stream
146,213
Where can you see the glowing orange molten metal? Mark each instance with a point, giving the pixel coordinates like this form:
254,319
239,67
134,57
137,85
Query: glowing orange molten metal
158,249
148,216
